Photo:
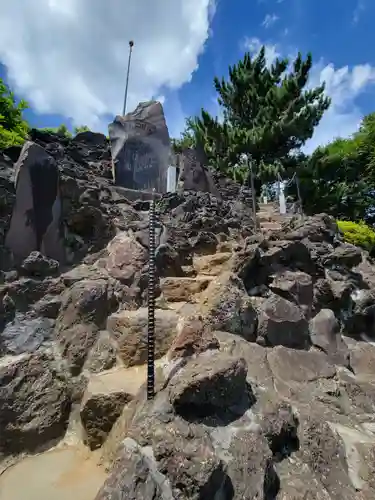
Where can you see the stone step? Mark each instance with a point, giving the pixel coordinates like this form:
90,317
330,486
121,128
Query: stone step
183,308
177,289
270,226
118,380
129,330
212,265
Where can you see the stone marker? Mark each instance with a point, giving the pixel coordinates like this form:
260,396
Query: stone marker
36,218
140,148
192,174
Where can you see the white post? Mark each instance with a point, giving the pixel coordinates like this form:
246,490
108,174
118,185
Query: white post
171,179
282,202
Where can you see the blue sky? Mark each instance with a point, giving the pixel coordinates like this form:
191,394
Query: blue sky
70,76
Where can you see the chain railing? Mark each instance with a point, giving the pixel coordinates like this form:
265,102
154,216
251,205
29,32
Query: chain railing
151,303
284,206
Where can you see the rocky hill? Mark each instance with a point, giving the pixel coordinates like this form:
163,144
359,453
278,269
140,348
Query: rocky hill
265,345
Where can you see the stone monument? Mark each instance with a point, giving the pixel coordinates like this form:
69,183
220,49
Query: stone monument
140,148
193,175
36,220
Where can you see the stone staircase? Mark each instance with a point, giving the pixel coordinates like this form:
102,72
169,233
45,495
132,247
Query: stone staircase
269,217
74,469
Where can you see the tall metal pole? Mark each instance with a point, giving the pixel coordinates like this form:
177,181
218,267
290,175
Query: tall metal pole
131,44
151,303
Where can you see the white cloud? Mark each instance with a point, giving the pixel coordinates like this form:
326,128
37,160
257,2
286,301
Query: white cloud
343,85
358,11
269,20
70,56
253,45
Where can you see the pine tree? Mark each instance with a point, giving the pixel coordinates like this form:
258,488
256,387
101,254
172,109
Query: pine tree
267,112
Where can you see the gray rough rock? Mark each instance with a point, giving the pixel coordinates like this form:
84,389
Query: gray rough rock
208,383
36,219
98,414
35,400
193,175
25,335
37,264
282,323
325,334
144,132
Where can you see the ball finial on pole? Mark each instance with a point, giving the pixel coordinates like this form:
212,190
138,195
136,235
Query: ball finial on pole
131,45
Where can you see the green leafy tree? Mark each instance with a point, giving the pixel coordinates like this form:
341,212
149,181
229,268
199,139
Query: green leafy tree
339,178
61,130
82,128
268,114
13,128
186,139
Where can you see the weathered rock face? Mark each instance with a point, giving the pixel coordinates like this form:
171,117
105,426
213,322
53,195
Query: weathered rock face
35,400
141,134
193,175
36,220
265,372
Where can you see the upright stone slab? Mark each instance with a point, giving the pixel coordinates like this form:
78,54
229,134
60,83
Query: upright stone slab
36,218
192,173
140,148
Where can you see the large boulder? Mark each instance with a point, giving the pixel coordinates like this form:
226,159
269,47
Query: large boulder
141,134
129,329
193,175
208,385
36,220
35,399
282,322
325,334
226,306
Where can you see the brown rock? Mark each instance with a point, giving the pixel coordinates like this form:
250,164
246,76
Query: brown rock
102,405
103,355
87,301
75,343
170,472
35,403
209,383
258,370
125,258
129,328
299,366
193,337
366,467
324,452
282,323
226,306
362,360
176,289
297,482
193,175
212,265
345,255
296,287
251,474
325,334
279,424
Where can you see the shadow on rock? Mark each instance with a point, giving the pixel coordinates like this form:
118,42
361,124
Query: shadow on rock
214,416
